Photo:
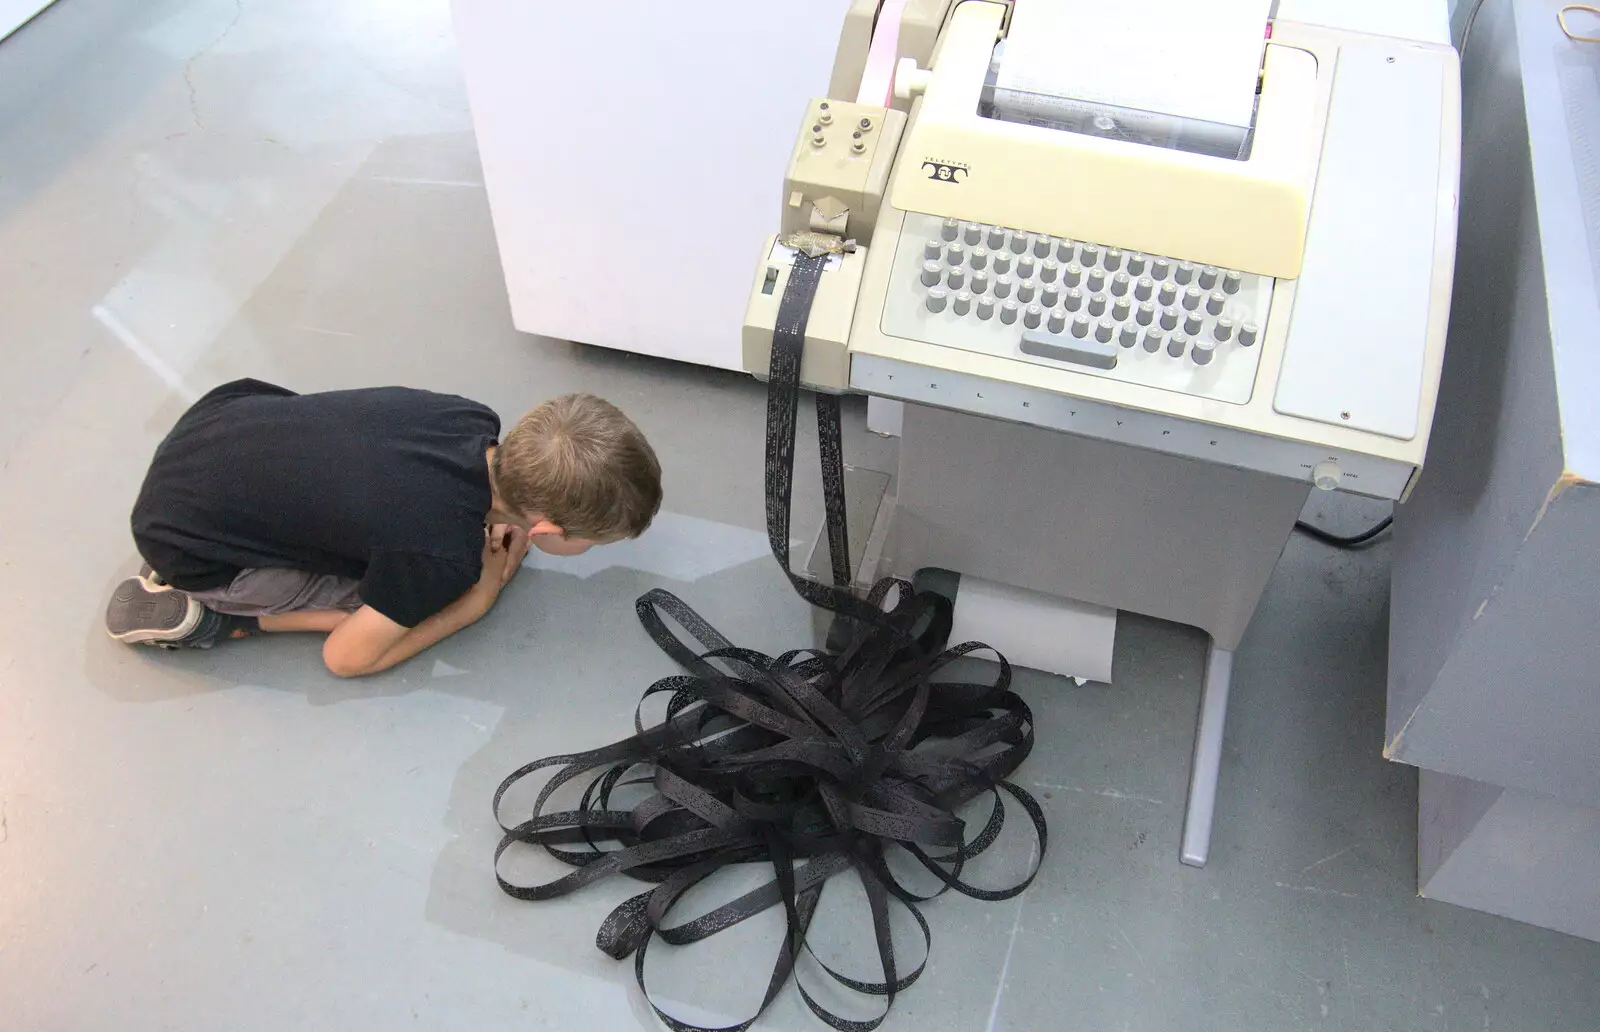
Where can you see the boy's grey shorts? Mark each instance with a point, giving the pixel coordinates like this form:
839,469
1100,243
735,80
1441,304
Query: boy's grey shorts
269,592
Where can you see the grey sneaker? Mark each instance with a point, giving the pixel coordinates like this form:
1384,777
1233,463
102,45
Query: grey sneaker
142,613
149,573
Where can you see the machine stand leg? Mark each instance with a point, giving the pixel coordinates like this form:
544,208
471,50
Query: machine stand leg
1207,757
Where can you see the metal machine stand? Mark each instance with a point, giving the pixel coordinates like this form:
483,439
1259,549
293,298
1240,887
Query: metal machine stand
872,512
1114,525
1207,757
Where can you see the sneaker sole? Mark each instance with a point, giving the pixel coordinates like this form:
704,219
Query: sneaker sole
140,613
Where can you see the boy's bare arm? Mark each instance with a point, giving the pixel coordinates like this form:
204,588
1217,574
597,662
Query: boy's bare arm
368,642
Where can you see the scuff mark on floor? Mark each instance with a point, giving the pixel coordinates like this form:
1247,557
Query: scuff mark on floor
1104,793
1331,856
1317,890
188,67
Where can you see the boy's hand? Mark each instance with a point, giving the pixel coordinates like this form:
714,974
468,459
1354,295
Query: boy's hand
516,548
368,641
496,552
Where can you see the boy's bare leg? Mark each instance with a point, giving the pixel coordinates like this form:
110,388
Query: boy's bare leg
145,609
320,621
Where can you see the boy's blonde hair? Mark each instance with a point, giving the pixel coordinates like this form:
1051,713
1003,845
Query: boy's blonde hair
580,463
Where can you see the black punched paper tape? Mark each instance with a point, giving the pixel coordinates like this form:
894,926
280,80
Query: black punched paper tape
817,763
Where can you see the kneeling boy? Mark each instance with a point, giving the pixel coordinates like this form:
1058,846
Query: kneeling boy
386,518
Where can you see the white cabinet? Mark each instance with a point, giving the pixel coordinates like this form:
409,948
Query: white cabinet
633,152
14,13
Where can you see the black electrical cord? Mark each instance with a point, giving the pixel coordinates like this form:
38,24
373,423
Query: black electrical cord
1339,541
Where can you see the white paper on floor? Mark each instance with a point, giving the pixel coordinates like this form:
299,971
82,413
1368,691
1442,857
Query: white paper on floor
1042,632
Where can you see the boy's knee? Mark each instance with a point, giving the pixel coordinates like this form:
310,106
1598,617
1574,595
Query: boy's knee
340,667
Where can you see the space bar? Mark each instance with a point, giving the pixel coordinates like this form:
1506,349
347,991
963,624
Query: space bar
1062,348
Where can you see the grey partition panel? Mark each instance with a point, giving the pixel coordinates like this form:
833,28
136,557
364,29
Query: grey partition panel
1516,854
1494,666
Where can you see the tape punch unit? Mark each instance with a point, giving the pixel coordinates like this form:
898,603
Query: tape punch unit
1137,304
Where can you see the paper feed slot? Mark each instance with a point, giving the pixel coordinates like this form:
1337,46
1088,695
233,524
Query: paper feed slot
1157,199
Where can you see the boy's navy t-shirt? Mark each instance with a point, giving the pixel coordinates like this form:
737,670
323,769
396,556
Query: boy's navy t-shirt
389,486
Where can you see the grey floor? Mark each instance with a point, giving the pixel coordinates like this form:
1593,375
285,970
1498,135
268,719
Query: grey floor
194,191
